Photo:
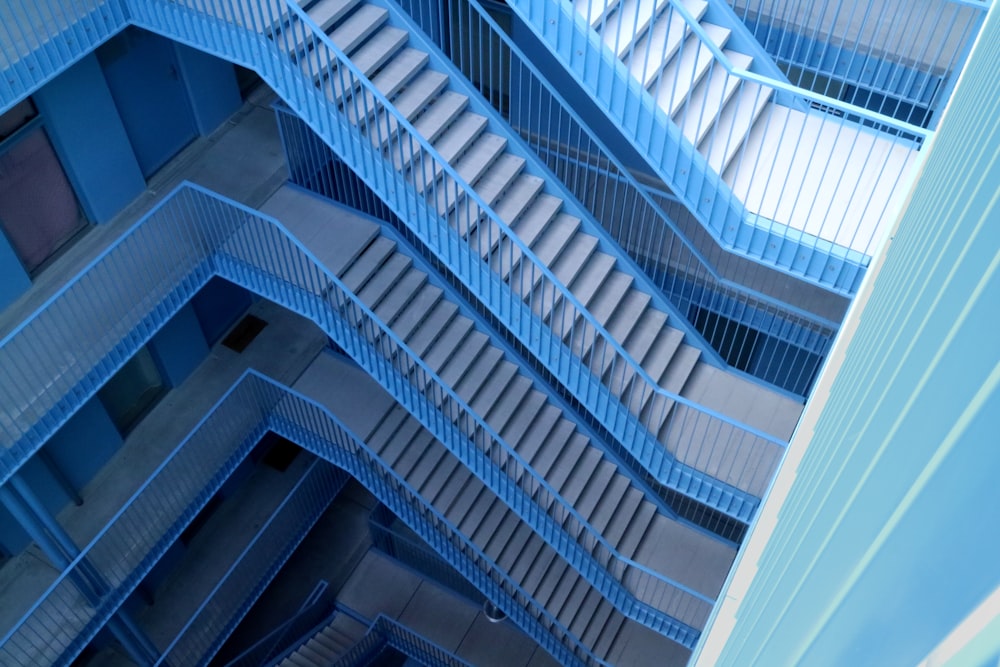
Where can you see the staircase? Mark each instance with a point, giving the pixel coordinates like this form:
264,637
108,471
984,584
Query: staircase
553,230
589,495
627,520
328,644
811,190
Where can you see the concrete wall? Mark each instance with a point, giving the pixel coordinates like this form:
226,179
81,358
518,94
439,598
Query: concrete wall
879,535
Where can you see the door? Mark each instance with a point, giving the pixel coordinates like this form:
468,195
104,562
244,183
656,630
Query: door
142,73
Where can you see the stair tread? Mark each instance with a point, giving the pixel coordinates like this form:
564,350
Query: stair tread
413,87
628,23
432,472
539,567
587,479
573,470
416,310
526,557
464,501
539,429
621,516
445,483
357,27
610,294
524,417
560,439
489,187
481,532
327,12
527,228
400,71
470,167
400,294
609,633
702,108
683,73
514,546
405,442
451,337
435,457
377,50
636,529
657,46
432,326
477,511
356,273
595,11
501,534
505,406
379,284
476,373
461,358
595,624
417,449
383,430
460,135
559,575
599,515
734,123
493,388
601,484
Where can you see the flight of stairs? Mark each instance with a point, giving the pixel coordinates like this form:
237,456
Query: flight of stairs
784,163
328,644
612,507
559,239
628,521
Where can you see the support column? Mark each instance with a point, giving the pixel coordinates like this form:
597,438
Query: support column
18,498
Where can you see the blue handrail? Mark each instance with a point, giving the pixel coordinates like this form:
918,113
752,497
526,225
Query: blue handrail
259,253
357,140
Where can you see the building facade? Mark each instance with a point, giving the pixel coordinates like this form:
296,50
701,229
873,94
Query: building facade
552,281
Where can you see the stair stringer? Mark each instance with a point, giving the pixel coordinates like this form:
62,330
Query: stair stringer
675,159
231,41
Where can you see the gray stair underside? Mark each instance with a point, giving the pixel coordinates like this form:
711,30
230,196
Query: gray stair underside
483,159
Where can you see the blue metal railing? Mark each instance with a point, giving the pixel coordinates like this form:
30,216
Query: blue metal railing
885,57
41,38
357,121
238,588
226,239
385,632
746,204
60,623
313,612
604,186
393,539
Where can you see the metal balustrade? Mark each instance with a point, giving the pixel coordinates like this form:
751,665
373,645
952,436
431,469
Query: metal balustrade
206,235
289,633
575,153
328,91
41,38
789,176
63,620
257,564
900,60
386,632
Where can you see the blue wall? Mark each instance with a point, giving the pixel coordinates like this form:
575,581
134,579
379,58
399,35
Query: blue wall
14,279
218,305
179,346
886,537
211,87
88,135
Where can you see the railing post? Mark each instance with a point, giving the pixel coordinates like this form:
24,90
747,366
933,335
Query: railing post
20,500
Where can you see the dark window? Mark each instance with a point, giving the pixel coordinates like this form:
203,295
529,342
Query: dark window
38,208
